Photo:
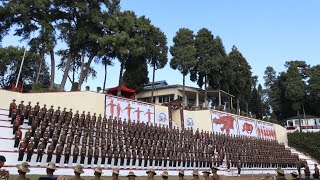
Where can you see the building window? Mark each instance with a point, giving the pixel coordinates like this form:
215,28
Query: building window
166,98
148,99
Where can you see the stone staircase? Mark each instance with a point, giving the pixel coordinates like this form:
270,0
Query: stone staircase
309,159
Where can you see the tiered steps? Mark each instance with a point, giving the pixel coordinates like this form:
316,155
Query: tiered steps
309,160
11,154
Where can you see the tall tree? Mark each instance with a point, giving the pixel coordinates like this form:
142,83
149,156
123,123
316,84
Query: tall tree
269,77
128,39
75,65
295,88
98,24
32,21
206,60
136,74
79,23
157,52
106,61
183,54
10,62
219,66
255,104
221,74
314,88
242,84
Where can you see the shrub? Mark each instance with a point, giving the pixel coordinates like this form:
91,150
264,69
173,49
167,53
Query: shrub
98,89
307,143
37,87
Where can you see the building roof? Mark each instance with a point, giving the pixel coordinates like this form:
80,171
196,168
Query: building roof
164,85
302,117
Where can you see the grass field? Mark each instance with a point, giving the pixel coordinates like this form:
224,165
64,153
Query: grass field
244,177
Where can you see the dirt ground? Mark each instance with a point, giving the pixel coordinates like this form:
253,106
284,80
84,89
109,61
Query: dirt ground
243,177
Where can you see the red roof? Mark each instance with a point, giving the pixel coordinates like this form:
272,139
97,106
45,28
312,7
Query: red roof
126,92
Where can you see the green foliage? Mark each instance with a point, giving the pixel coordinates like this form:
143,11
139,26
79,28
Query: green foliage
221,70
307,143
157,49
10,61
33,21
37,88
183,51
183,54
75,66
242,84
136,75
269,77
255,104
314,85
130,41
78,24
291,90
204,43
74,86
295,87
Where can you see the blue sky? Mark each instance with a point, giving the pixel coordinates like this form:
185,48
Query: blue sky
267,33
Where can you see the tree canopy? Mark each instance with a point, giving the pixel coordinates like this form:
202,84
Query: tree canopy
183,54
10,62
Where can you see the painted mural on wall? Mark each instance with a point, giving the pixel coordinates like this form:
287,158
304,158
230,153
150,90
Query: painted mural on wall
129,109
224,123
266,130
247,127
162,117
189,121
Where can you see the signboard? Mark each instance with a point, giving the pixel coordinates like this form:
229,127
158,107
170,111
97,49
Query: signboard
129,109
224,123
247,127
266,130
162,116
189,121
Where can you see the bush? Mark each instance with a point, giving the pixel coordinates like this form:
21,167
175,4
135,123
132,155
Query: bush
98,89
221,108
87,88
37,87
74,86
307,143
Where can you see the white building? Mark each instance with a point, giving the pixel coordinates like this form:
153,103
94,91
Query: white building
308,124
194,96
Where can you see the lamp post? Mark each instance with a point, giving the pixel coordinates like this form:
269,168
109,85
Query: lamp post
24,54
299,121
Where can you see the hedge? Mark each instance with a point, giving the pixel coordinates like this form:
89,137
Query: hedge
307,143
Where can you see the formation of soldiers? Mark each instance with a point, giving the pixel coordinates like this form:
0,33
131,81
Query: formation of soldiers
116,142
51,167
